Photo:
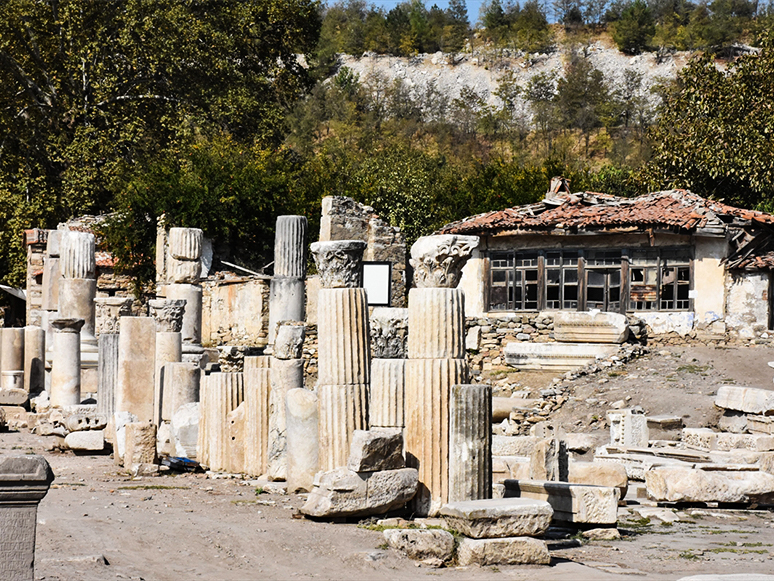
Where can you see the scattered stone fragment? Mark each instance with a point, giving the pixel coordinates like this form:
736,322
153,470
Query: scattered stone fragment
749,400
687,485
572,503
501,517
185,429
140,444
13,396
733,421
91,440
422,544
600,474
79,422
607,534
505,551
376,449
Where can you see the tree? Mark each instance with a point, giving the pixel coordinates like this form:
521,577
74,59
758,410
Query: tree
713,133
581,96
634,30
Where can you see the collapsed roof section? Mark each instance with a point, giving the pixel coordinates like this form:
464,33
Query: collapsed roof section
750,233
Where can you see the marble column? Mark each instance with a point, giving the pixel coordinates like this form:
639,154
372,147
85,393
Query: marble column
24,481
184,268
34,359
66,366
302,438
168,314
136,361
257,388
221,393
286,374
12,367
182,382
107,315
436,315
470,442
287,292
343,349
389,331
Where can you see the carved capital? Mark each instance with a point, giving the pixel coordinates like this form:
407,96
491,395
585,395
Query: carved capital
339,263
67,325
168,314
108,312
438,260
389,333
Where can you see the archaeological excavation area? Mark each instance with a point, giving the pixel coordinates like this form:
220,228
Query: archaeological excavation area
379,410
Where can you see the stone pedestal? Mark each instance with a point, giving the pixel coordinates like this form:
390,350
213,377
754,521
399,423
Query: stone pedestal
388,386
221,393
286,374
470,443
34,359
343,336
136,360
66,366
257,388
302,439
24,481
181,386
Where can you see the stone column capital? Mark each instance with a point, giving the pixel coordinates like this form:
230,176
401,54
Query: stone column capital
109,310
67,325
438,260
339,262
168,314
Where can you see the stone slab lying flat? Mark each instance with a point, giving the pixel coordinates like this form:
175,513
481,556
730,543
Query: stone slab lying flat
499,517
600,474
749,400
513,445
421,544
686,485
13,396
761,424
706,439
572,503
91,440
590,327
505,551
555,356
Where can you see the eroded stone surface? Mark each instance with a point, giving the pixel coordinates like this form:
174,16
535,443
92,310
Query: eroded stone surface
376,449
575,503
389,333
422,544
108,312
499,517
91,440
289,340
749,400
687,485
590,327
505,551
339,262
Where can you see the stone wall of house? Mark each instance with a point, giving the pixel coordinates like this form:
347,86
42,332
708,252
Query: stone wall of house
35,240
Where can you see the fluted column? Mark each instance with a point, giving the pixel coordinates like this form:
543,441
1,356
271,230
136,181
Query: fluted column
302,438
343,349
136,360
436,315
78,286
388,386
221,393
287,287
108,312
257,388
470,442
66,367
168,314
184,269
257,362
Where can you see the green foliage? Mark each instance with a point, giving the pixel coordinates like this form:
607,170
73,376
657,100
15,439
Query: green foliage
513,26
634,30
714,132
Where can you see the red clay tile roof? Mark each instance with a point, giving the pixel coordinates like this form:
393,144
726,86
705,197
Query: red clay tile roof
678,210
104,259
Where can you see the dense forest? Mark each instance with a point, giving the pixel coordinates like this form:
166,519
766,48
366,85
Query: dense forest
224,114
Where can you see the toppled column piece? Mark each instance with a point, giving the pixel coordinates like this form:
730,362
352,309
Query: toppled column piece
302,439
388,387
572,503
470,442
376,449
429,545
66,367
499,517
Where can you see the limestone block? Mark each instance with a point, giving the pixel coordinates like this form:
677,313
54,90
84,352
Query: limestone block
555,356
165,441
302,439
473,339
436,318
389,333
286,374
749,400
766,462
51,276
108,312
499,517
186,243
24,481
628,428
76,301
438,260
339,263
470,442
221,393
66,366
549,461
572,503
600,474
286,301
422,544
343,341
92,440
505,467
235,422
513,445
257,387
376,449
184,271
687,485
290,246
13,396
289,341
590,327
706,439
12,348
140,444
760,424
136,361
185,429
192,317
343,493
733,421
76,256
428,388
507,551
82,421
34,359
581,443
107,373
387,394
181,386
603,534
342,410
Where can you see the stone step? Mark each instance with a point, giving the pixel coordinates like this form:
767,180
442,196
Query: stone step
555,356
498,517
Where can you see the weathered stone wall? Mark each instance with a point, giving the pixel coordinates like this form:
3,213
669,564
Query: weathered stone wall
36,253
235,310
747,304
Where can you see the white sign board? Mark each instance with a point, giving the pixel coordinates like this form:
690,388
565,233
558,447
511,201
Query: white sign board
377,277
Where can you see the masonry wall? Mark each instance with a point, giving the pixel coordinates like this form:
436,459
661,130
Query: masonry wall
235,310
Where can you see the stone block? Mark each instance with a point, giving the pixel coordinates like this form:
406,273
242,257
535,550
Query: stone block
500,517
422,544
513,445
91,440
82,421
688,485
506,551
706,439
236,432
733,421
389,333
140,444
387,393
13,396
549,460
628,428
185,429
136,363
572,503
590,327
600,474
343,493
376,449
289,340
749,400
760,424
555,356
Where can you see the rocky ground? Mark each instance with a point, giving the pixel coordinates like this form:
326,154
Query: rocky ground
96,523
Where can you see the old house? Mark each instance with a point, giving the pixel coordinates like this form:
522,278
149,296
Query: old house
682,263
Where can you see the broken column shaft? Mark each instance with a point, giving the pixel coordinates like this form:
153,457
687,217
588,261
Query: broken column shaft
470,442
287,287
108,311
66,367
